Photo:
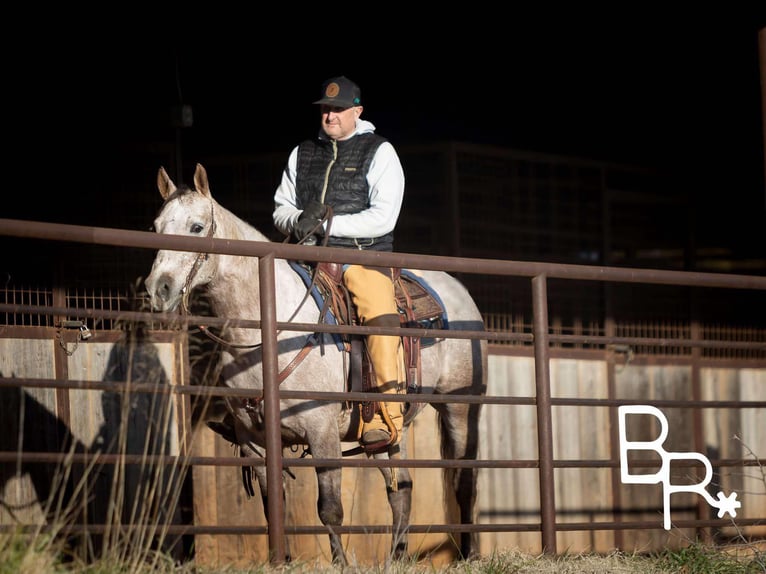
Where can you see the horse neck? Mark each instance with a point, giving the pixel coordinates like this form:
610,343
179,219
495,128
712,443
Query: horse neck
232,227
234,292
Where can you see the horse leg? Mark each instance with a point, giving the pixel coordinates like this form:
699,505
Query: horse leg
399,491
459,430
329,502
260,476
330,509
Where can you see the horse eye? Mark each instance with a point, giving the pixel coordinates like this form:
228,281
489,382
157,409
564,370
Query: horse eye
197,228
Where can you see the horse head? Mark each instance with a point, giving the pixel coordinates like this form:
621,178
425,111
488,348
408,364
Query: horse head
185,211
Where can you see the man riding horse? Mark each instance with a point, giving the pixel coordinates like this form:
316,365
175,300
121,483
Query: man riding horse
346,186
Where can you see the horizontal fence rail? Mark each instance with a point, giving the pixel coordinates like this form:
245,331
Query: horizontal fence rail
149,240
541,339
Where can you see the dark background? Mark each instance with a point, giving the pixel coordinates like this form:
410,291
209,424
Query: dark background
680,92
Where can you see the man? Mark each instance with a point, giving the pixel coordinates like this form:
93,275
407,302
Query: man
358,173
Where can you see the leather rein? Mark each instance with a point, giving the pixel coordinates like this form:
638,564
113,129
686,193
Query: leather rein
186,292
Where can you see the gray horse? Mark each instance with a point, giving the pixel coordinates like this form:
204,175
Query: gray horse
451,366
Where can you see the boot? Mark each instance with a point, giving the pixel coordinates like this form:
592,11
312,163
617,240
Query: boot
385,427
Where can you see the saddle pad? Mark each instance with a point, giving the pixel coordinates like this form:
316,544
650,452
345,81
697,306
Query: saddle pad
329,318
427,314
427,306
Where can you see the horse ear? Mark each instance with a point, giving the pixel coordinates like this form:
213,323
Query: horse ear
164,183
200,180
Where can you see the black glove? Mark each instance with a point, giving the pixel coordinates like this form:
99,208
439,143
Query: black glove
314,210
305,227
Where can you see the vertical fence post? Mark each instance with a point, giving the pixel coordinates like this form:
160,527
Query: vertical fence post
275,511
544,421
762,67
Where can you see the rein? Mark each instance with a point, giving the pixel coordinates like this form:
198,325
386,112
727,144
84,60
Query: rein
310,240
202,257
219,340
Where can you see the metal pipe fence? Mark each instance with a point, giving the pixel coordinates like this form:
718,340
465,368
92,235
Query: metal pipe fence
541,339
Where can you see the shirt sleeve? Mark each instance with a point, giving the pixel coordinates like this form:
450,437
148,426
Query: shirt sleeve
386,182
286,212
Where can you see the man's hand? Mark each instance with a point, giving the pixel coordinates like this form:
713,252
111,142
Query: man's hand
314,210
305,227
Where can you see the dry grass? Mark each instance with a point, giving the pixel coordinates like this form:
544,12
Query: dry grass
20,560
19,555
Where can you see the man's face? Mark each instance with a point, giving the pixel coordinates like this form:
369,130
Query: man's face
339,123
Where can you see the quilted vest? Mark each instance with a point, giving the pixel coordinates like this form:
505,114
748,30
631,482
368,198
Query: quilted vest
340,168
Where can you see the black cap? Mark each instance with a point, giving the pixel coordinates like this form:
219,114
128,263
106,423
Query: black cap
340,92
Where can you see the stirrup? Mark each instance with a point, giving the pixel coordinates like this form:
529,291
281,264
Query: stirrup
379,440
378,446
386,437
375,435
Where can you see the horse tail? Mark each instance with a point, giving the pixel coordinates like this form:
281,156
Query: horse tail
458,432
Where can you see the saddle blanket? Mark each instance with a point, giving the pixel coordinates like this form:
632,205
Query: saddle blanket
437,322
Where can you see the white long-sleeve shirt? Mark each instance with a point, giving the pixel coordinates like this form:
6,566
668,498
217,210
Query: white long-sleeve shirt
386,182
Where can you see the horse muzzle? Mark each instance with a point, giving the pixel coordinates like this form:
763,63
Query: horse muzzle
164,295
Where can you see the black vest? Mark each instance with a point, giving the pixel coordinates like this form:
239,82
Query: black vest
341,168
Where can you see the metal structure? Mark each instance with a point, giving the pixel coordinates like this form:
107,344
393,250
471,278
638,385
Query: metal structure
81,313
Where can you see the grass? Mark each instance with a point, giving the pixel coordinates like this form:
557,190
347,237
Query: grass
19,555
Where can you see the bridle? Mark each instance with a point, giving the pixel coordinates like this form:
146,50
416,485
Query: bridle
186,293
186,289
198,261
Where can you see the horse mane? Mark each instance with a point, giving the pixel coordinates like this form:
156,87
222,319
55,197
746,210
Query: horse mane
244,229
180,191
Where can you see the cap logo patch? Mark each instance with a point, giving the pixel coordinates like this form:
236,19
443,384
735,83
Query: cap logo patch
332,90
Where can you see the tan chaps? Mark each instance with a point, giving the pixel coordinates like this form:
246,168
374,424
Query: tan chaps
372,292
